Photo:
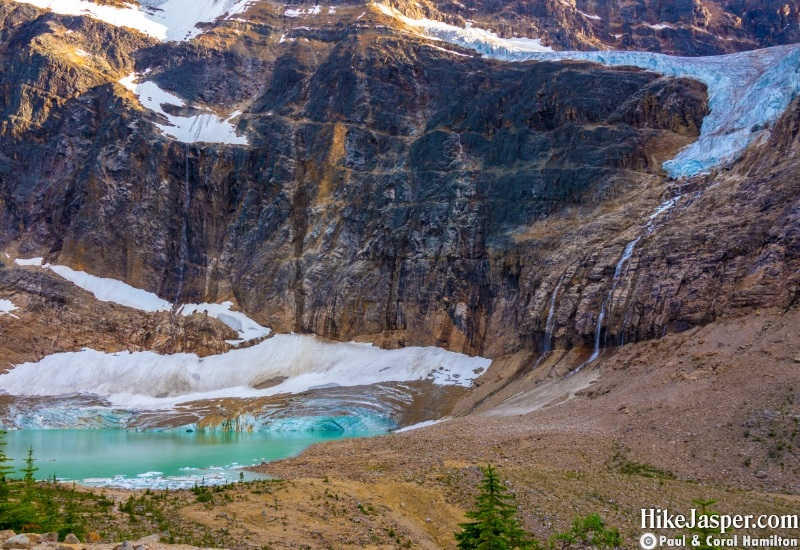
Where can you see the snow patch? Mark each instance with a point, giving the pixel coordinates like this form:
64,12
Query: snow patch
297,12
30,261
420,425
446,50
747,91
6,307
111,290
149,381
659,26
162,19
206,127
129,82
589,15
247,328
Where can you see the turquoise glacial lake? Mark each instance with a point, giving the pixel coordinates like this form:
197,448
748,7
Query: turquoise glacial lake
174,459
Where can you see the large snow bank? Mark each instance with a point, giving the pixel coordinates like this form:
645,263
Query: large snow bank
162,19
147,380
747,91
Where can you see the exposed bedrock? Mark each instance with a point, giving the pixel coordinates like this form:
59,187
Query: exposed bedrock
393,192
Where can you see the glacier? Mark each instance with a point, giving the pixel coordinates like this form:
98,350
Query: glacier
336,411
747,91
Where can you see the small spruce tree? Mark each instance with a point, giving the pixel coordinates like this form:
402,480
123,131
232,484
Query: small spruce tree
29,470
5,472
703,532
587,532
494,525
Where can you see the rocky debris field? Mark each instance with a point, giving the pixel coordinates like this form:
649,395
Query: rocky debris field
50,541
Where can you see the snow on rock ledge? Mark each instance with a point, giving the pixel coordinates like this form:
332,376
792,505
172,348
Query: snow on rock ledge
206,127
6,307
149,381
174,20
747,91
117,292
241,323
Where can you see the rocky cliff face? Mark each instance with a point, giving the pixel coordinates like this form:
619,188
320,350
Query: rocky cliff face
392,190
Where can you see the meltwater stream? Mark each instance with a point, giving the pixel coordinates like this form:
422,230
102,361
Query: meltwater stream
156,460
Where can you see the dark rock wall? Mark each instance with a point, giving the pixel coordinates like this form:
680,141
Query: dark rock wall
392,192
693,27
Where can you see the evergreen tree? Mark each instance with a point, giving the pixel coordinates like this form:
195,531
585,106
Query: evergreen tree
29,469
5,471
703,532
494,525
588,532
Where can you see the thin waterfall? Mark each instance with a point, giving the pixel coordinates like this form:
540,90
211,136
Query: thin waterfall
618,273
184,251
608,300
547,345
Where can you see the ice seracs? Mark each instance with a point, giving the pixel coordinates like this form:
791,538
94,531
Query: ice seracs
747,91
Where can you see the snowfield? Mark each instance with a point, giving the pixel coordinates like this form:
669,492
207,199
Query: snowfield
149,381
747,91
174,20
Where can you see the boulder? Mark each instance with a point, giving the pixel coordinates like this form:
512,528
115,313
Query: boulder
71,539
18,541
49,537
